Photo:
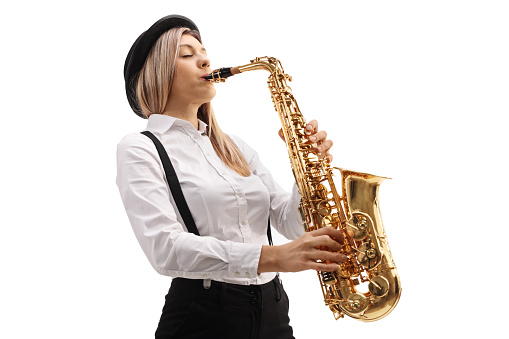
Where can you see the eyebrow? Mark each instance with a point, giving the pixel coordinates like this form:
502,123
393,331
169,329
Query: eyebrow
189,46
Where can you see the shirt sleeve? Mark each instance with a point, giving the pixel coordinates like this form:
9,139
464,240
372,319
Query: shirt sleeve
169,248
284,214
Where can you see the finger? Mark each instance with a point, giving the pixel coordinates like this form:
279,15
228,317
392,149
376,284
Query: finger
325,155
319,136
328,157
324,147
324,241
333,257
324,267
327,256
312,127
337,235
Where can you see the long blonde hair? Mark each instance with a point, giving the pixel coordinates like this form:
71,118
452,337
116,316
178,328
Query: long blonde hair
153,88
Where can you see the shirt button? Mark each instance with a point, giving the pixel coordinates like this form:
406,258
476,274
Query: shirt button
243,223
204,276
207,154
240,195
247,274
237,273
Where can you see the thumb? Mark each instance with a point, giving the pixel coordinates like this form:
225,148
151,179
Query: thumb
281,135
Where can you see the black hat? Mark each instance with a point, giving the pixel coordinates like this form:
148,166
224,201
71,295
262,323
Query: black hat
140,49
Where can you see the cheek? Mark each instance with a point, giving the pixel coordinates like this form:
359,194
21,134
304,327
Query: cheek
176,87
182,74
180,82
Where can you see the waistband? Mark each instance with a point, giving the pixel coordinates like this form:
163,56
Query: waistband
207,283
226,291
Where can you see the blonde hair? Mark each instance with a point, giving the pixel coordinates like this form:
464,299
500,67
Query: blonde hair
153,88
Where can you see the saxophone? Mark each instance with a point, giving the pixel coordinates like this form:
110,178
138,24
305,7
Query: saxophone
366,286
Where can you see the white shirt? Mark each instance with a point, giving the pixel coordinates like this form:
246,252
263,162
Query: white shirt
230,211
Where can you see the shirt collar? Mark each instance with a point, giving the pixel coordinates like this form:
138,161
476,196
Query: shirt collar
202,127
161,123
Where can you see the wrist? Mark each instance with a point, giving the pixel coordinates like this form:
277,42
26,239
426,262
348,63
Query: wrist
268,259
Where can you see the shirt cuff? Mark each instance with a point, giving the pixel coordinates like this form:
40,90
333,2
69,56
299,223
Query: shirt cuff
244,259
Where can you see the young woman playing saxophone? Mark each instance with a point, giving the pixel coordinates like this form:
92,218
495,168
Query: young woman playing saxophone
224,282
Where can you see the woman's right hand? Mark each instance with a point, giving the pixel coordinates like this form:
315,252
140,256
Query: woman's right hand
304,252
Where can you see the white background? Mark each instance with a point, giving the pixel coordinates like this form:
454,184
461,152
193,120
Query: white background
413,90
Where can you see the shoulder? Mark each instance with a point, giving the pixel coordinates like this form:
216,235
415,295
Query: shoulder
135,146
134,141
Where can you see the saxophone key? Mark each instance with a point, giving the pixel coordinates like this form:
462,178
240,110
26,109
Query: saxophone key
368,255
356,303
378,286
328,278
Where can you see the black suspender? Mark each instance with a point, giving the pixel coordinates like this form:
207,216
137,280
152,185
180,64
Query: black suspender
269,234
176,190
174,184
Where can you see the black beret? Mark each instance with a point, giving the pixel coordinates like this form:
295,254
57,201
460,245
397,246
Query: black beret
140,49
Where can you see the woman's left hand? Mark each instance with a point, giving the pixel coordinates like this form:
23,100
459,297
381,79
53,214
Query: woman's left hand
318,139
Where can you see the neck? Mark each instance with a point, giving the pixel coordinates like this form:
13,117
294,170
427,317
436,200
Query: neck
183,112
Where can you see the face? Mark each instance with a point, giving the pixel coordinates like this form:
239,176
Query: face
188,87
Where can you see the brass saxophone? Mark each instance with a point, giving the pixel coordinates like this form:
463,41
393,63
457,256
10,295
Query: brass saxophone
366,286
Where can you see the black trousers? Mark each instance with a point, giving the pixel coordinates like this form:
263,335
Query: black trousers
225,311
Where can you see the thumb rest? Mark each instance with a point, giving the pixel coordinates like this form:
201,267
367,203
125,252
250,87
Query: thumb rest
369,264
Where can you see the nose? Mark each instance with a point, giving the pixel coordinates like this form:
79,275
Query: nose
204,62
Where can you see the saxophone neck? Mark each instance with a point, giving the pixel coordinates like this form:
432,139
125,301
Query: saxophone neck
264,63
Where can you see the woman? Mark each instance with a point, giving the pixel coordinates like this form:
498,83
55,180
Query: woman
225,283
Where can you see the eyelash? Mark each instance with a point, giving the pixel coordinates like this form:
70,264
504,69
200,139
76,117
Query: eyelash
187,56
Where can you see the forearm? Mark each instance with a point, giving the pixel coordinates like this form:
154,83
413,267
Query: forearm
207,257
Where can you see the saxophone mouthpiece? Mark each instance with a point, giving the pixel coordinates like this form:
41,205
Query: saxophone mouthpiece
219,75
